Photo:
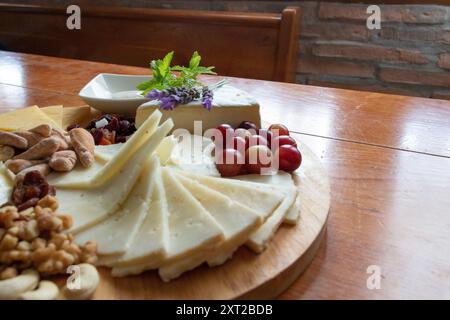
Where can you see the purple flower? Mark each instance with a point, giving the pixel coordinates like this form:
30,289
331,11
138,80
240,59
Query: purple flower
207,97
169,103
155,95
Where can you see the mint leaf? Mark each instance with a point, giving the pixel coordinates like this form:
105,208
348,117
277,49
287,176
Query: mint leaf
195,60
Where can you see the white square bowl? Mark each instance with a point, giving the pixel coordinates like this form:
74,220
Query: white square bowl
114,93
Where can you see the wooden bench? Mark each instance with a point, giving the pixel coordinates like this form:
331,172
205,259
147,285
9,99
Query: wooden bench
251,45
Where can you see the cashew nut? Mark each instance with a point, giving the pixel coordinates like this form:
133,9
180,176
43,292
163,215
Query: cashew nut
89,280
64,160
6,153
13,140
44,130
47,290
14,287
41,150
20,164
83,144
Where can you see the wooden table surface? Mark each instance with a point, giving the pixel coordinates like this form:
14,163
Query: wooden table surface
388,158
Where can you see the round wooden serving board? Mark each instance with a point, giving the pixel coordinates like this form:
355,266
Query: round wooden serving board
247,275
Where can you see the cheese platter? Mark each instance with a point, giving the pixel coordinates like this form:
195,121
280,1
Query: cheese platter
153,206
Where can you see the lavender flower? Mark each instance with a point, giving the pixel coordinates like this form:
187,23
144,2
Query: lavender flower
155,94
207,97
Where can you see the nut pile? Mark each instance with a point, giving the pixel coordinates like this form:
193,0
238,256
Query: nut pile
44,148
34,238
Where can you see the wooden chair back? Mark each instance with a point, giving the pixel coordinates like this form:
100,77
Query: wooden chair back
250,45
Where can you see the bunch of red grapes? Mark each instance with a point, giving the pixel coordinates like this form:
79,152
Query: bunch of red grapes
248,149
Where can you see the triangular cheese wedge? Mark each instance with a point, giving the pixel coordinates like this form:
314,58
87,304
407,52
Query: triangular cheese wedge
24,119
237,221
101,172
263,200
90,206
55,113
191,229
150,243
114,234
283,179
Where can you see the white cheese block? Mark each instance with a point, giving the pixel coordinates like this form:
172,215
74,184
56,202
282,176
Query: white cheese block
237,221
261,198
6,185
280,179
89,206
230,105
150,243
114,234
191,228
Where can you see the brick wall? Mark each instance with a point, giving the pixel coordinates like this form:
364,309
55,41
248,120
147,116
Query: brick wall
410,54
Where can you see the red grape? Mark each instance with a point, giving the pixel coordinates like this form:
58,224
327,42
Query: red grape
257,157
289,158
279,130
239,144
256,140
248,125
283,140
230,163
226,133
266,134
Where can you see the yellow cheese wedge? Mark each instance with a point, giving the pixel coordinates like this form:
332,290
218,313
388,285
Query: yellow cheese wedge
280,179
152,239
191,228
24,119
6,185
114,234
76,115
89,206
55,113
261,198
237,221
101,172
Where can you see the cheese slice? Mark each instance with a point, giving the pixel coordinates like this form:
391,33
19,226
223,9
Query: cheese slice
114,234
76,115
237,221
280,179
193,153
101,172
104,153
261,198
150,243
6,185
191,228
89,206
24,119
55,113
230,105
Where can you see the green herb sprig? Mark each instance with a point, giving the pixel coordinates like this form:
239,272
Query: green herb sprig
164,78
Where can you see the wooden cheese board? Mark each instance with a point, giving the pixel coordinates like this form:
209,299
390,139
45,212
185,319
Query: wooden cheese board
247,275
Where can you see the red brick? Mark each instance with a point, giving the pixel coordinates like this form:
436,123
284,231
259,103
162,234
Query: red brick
342,68
441,94
440,79
444,60
368,52
420,14
335,31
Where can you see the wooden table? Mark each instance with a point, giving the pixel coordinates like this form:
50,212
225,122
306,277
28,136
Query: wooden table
388,158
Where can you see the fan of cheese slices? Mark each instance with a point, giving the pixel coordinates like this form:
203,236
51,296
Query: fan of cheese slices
161,210
150,206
